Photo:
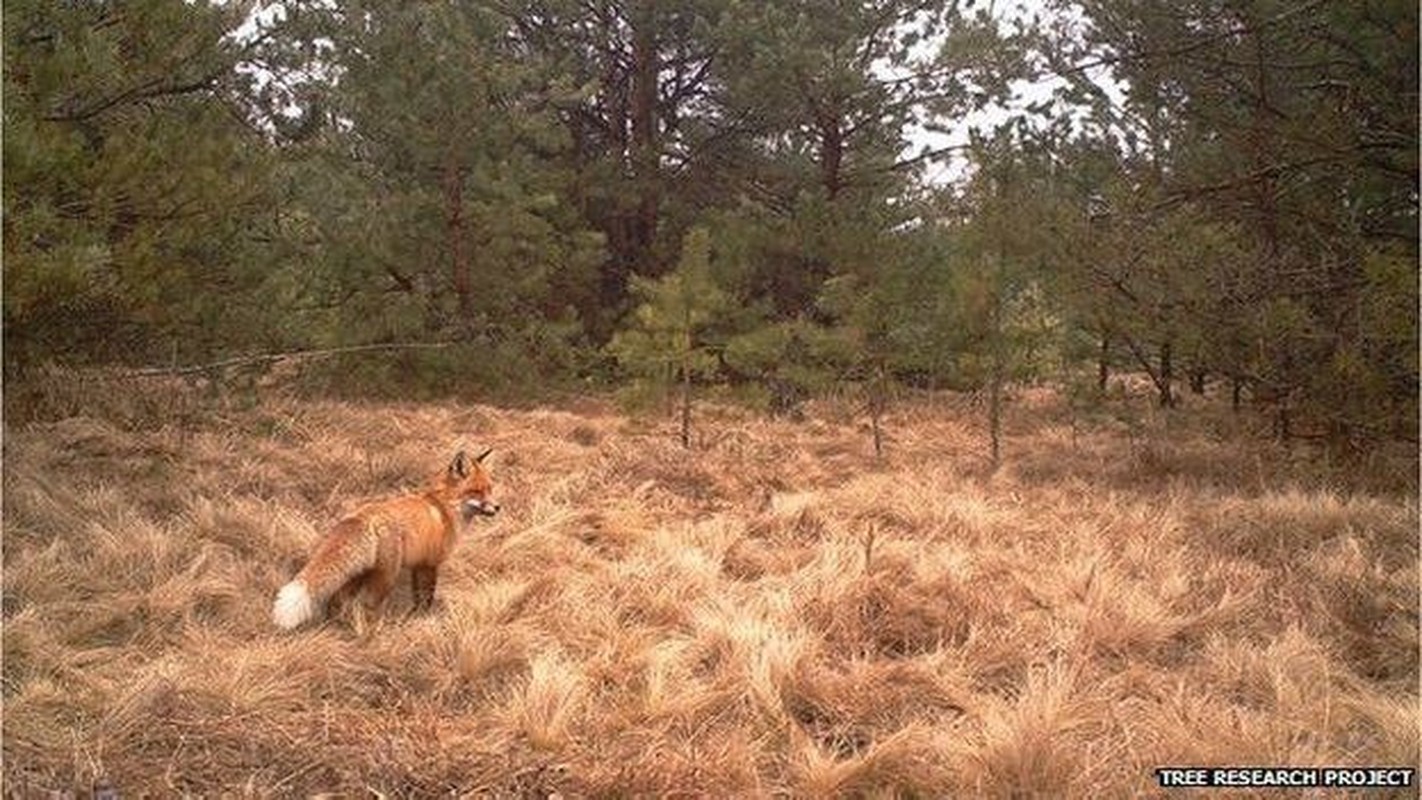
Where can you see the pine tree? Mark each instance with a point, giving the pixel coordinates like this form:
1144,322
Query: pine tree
1294,128
1013,332
433,203
131,190
668,343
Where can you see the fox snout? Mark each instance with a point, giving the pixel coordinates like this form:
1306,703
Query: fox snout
475,507
469,484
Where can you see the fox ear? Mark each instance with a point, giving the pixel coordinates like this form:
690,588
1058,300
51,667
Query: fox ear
483,455
459,467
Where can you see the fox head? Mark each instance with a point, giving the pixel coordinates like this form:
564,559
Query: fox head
467,484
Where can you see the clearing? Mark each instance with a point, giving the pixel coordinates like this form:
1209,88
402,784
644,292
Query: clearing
772,613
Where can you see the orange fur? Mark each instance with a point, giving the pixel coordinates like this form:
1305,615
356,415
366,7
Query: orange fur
363,554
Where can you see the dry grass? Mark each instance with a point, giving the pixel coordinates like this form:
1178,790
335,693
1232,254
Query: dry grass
773,614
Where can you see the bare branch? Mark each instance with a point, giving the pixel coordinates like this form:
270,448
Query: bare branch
271,358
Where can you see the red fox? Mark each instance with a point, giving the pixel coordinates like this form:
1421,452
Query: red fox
364,553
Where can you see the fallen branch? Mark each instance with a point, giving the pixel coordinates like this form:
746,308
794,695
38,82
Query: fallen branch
272,358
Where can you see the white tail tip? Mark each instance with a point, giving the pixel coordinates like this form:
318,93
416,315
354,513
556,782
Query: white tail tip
293,606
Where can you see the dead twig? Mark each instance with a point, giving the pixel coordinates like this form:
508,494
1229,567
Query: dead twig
271,358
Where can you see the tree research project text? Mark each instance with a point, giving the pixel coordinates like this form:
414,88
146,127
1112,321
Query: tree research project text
1336,777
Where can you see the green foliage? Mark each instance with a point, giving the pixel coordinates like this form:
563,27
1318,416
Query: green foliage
1387,307
130,190
1368,387
1267,153
668,339
798,351
449,222
511,370
1012,327
789,361
522,181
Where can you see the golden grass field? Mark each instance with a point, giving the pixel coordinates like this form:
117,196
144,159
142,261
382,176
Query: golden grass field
773,613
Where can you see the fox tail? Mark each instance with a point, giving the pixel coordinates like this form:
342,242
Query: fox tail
294,605
344,553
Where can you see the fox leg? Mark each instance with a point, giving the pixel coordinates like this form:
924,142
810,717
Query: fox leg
374,597
422,587
350,601
340,602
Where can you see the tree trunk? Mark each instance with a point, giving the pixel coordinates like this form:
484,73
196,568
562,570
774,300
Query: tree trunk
831,156
1197,380
685,406
611,218
454,226
995,378
1103,362
1160,380
1167,375
1283,421
877,403
645,158
995,414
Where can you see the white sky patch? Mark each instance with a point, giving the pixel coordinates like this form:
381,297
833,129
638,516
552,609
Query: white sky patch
261,18
938,133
